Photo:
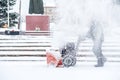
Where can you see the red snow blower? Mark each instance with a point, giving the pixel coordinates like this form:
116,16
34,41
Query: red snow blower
67,56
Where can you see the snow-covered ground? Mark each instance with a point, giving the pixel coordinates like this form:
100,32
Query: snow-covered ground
40,71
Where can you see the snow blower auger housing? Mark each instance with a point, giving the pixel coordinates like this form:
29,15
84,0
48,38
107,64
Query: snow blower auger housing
67,56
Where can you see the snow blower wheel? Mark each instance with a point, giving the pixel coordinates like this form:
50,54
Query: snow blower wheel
69,60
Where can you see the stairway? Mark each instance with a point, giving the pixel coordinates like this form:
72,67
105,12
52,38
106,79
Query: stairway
23,47
33,48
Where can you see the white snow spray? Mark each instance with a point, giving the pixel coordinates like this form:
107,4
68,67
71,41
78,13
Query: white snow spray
74,18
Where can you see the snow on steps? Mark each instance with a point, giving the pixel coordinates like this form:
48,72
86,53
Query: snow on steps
33,48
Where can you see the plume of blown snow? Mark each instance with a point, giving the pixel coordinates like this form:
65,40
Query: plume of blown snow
74,18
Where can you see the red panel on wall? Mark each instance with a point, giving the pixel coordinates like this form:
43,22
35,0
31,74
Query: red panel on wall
37,22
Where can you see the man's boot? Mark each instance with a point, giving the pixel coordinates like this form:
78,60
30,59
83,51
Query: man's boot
100,62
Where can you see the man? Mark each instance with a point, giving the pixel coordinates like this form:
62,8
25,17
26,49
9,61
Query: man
36,7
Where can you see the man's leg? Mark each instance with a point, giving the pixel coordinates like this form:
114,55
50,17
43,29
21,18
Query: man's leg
97,50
